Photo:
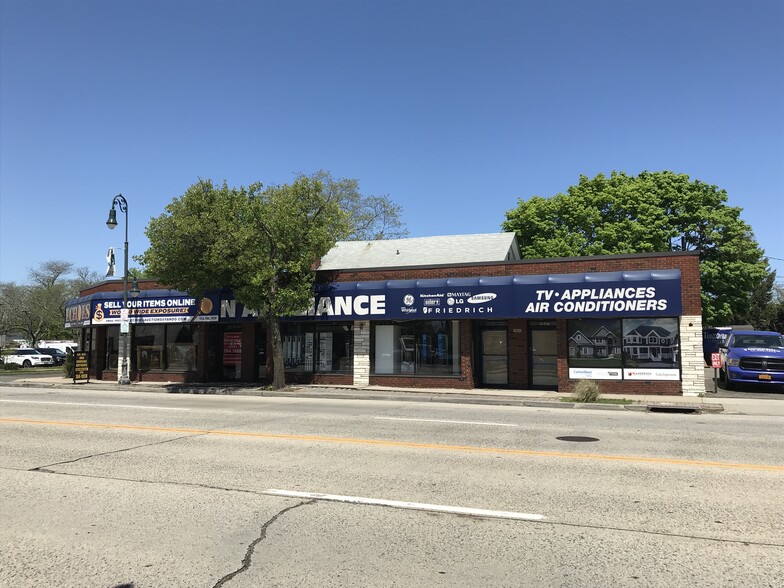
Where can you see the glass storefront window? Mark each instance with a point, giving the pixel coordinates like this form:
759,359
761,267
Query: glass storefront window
112,347
657,343
633,348
149,342
425,348
595,343
181,347
318,347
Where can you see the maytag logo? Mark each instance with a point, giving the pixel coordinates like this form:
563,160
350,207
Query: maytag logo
480,298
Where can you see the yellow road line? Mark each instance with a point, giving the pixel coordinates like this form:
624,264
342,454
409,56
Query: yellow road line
409,444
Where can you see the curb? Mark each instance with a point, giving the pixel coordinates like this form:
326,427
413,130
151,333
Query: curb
402,396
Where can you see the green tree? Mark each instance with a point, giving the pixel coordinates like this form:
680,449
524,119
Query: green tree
653,211
36,310
261,242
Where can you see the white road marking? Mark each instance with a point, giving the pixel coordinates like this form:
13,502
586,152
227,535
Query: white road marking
445,421
459,510
92,404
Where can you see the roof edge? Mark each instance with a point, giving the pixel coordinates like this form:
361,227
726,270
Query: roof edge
521,261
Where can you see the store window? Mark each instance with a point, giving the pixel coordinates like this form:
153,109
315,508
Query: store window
659,343
165,347
150,341
232,352
638,348
318,347
112,352
181,347
424,348
595,343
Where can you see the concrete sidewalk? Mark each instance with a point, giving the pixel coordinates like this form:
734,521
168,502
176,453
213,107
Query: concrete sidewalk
534,398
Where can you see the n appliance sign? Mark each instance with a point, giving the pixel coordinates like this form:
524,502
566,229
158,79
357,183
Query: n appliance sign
614,294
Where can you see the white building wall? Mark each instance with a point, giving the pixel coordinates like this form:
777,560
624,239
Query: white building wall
361,353
692,360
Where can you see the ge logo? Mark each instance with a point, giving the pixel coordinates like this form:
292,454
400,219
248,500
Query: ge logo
450,301
408,300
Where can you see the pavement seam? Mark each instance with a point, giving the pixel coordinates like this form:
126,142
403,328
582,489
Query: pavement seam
44,468
247,560
551,522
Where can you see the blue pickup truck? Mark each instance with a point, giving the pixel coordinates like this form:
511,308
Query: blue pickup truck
752,357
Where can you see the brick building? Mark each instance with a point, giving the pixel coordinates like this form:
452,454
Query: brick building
459,311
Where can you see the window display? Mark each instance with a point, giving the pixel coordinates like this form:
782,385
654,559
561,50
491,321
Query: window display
318,347
416,348
614,349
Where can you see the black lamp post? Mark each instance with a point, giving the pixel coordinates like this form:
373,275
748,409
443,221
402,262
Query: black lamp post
123,371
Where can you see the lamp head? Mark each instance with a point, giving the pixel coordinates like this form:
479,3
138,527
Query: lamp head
112,222
134,288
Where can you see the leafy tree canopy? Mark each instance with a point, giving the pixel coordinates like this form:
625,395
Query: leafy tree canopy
261,242
653,211
36,310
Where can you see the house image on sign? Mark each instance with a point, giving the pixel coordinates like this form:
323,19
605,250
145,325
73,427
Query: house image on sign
601,345
650,343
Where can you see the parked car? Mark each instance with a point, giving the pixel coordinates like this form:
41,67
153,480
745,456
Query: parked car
752,357
57,355
28,358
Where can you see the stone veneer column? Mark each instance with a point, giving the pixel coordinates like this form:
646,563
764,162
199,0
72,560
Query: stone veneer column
361,353
692,359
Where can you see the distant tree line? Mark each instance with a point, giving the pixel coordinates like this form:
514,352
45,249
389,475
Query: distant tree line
36,311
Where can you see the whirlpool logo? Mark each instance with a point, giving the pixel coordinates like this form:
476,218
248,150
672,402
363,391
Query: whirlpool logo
482,298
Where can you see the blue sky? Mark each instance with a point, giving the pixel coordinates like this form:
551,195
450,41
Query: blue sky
455,109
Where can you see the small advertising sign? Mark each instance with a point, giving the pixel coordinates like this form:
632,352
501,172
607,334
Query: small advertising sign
588,373
81,367
651,374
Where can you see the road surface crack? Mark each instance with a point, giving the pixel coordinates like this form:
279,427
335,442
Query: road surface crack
45,468
246,561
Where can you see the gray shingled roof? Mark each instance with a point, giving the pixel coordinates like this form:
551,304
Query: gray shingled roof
419,251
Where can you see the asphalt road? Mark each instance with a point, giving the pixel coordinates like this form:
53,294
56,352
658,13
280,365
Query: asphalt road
138,489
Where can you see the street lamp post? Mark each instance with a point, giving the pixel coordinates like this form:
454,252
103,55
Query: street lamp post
123,372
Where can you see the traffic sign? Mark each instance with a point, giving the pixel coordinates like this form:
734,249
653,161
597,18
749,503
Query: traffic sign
716,360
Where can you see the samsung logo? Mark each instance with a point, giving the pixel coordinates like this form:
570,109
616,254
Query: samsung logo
480,298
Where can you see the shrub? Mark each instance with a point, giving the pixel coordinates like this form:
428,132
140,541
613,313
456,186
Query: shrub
586,391
9,366
68,366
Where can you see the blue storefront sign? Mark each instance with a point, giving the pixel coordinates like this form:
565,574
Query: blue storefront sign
547,296
150,307
607,294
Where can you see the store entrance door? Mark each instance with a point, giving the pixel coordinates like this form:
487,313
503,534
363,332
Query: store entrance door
543,361
494,356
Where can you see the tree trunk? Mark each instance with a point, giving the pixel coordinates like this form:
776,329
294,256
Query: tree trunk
278,373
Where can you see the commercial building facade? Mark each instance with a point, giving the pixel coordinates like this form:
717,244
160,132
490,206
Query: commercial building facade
455,312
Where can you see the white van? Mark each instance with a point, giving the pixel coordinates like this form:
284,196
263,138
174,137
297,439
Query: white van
64,346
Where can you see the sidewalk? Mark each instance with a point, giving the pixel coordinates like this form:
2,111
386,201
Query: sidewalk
533,398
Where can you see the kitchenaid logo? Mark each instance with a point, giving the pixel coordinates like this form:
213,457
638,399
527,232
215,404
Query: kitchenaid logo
480,298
